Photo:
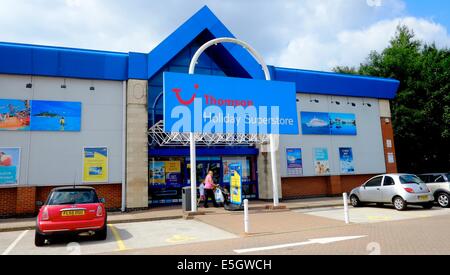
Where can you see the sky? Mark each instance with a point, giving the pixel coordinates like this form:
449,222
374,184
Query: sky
306,34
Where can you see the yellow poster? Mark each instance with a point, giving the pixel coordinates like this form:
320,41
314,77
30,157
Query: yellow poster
173,166
95,164
236,184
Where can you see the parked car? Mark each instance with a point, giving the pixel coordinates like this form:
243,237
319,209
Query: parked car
71,211
439,184
399,189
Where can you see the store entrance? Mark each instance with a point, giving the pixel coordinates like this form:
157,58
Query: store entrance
204,166
168,175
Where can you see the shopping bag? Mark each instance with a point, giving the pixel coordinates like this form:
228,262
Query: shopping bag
219,196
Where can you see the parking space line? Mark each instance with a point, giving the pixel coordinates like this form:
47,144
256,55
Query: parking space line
13,244
119,241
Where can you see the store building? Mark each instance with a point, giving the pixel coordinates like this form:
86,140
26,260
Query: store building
61,106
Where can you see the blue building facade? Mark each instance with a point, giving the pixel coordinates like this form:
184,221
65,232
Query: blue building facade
174,55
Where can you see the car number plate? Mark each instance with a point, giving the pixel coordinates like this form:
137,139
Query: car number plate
423,198
72,213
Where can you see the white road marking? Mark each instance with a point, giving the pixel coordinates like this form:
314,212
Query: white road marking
312,241
16,241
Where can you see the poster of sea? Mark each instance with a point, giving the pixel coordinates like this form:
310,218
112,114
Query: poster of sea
157,172
346,160
9,165
343,124
39,115
55,116
95,164
14,115
321,161
315,123
294,162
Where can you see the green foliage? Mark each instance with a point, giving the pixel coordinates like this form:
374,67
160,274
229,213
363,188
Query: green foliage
421,110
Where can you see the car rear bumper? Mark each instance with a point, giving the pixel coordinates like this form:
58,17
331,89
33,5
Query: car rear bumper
66,227
419,198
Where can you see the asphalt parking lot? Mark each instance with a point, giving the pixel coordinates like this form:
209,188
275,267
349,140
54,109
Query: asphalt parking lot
210,231
372,214
121,237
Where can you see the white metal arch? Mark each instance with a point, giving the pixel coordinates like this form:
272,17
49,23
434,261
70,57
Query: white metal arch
192,138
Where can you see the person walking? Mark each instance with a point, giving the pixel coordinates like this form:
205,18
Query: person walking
209,190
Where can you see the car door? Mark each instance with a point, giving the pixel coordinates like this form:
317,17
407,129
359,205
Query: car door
371,191
388,189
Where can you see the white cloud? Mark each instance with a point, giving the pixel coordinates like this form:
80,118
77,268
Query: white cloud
351,47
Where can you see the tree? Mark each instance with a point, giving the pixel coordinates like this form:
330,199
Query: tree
421,110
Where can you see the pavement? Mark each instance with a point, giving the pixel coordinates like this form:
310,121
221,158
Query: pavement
175,212
300,230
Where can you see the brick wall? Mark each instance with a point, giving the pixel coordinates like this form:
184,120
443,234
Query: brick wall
7,201
19,201
300,187
320,186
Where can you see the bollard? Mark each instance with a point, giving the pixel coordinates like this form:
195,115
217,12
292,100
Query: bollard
346,216
246,225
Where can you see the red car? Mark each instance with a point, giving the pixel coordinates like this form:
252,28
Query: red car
71,211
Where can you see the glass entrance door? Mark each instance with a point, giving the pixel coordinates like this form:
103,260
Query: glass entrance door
204,165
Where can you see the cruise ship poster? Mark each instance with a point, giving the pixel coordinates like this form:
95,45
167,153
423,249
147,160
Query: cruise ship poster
314,123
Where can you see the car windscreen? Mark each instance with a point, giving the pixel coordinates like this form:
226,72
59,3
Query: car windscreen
410,179
64,197
447,176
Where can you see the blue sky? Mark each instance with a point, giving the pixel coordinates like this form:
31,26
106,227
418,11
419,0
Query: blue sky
307,34
437,10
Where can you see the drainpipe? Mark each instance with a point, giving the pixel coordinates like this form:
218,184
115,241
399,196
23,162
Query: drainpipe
124,145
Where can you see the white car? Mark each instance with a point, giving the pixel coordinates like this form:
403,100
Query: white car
399,189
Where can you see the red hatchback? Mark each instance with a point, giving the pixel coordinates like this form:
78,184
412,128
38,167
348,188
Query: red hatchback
71,211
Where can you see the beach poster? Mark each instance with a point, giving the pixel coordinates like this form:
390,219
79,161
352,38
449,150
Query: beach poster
157,172
14,115
55,116
343,124
321,161
346,160
294,162
95,164
9,165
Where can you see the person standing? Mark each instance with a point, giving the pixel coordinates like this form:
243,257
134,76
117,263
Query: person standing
209,190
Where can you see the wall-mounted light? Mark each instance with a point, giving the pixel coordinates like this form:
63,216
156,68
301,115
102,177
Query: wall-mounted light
367,104
30,84
64,86
92,87
336,102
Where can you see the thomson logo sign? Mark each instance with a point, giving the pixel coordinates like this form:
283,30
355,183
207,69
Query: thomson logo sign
210,104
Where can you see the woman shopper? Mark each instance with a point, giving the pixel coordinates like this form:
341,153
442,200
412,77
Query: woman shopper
209,190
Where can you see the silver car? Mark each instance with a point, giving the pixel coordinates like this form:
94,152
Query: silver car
399,189
439,184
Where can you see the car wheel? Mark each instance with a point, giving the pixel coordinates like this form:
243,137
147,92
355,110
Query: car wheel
443,200
101,234
39,239
399,204
428,205
355,201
